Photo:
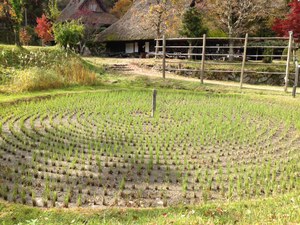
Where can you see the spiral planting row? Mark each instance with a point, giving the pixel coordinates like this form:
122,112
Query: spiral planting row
104,149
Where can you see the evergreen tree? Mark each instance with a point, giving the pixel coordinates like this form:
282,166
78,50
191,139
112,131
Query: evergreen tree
192,24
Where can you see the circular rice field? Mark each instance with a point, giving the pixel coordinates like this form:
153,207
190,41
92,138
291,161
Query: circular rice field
104,149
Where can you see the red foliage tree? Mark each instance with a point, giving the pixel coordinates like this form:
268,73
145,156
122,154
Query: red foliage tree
290,23
44,29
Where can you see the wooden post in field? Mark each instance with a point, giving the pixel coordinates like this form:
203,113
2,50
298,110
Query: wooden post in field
287,72
296,78
203,59
164,57
244,61
154,102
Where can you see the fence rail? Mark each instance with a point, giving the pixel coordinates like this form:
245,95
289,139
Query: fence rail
248,51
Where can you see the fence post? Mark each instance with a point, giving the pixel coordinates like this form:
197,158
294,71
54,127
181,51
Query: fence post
287,72
203,58
296,78
154,102
294,51
164,57
244,61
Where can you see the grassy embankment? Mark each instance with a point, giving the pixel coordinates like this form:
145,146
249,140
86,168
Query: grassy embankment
277,210
35,68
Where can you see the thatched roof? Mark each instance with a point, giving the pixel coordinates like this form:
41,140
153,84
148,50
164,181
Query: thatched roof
92,13
134,25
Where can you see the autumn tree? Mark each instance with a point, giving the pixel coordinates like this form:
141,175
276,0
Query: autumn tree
291,22
121,7
17,16
12,10
25,36
6,13
165,16
237,17
44,29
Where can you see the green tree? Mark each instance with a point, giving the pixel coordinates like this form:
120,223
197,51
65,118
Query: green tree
68,34
192,26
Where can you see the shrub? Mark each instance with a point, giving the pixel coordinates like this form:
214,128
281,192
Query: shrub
25,36
68,34
268,58
284,53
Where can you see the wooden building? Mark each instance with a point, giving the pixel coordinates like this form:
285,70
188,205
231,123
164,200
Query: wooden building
133,34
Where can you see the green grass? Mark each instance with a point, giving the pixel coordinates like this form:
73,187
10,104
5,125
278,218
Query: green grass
278,210
112,81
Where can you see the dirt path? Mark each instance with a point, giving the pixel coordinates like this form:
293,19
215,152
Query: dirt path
132,68
136,70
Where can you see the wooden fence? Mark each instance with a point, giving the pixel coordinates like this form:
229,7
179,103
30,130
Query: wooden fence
241,52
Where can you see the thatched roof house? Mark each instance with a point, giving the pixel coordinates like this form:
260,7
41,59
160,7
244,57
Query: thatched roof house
131,26
93,13
134,33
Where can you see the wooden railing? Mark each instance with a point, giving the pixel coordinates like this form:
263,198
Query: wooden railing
206,51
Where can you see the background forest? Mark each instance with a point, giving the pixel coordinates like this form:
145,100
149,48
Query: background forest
230,18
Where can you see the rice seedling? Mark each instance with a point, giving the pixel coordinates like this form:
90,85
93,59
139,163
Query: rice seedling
196,147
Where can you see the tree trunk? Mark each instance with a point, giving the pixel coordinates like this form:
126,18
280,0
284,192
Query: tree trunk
190,51
230,30
231,49
156,48
17,36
